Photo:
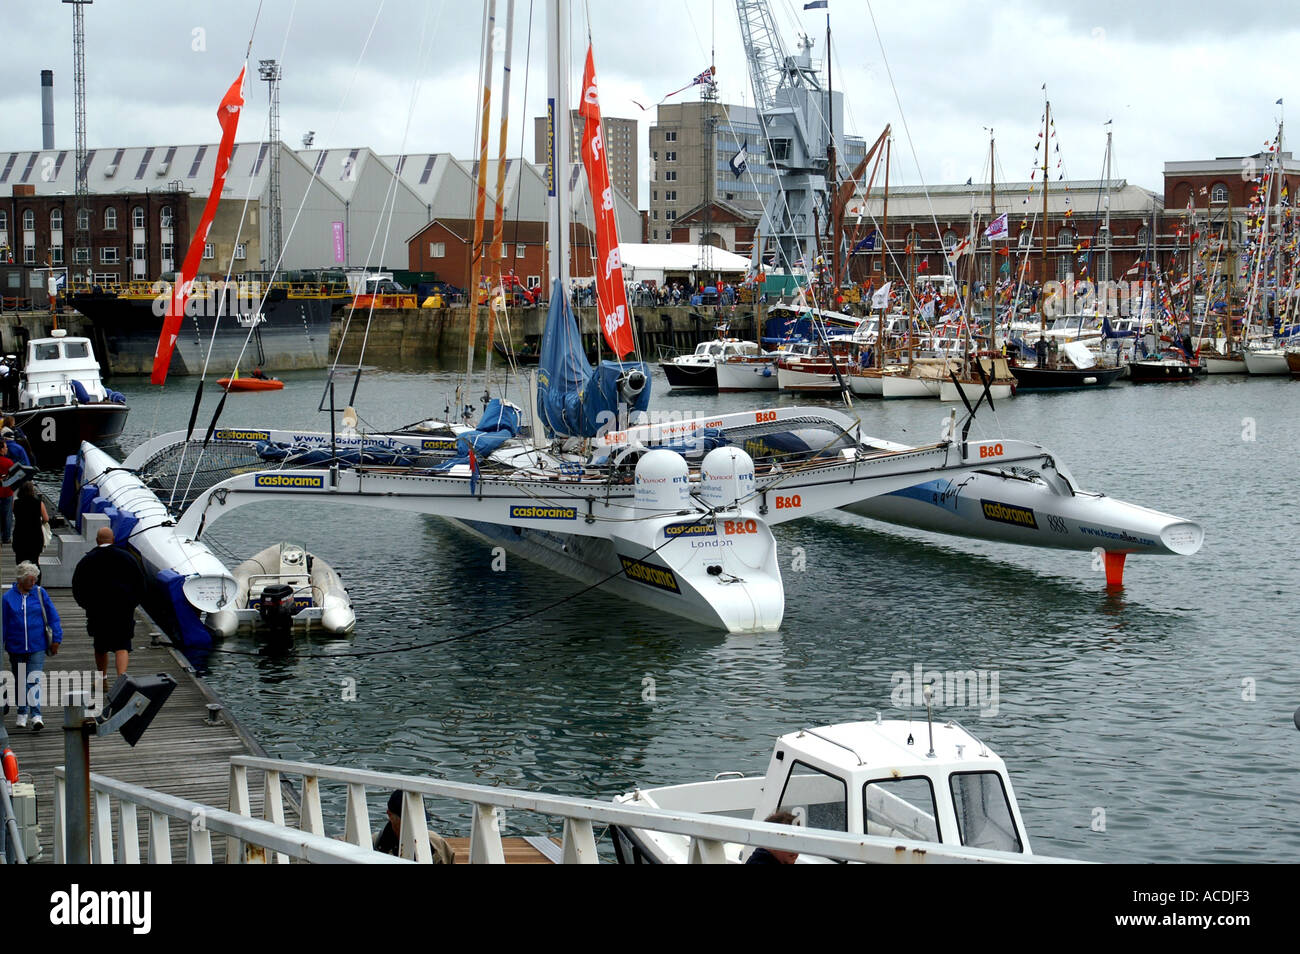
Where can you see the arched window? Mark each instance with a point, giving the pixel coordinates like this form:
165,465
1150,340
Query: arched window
1219,194
950,239
1065,238
913,241
29,220
137,218
1026,238
1144,236
110,218
165,217
1103,237
83,220
56,220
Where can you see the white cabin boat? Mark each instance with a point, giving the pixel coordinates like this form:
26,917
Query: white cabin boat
913,780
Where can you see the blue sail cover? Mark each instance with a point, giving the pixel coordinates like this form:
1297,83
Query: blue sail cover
573,398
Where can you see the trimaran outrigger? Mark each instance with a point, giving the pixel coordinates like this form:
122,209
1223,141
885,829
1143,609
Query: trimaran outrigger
676,515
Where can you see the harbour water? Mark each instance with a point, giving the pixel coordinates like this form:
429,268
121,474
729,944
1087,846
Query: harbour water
1150,724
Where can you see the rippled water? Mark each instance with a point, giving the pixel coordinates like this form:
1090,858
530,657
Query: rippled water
1166,707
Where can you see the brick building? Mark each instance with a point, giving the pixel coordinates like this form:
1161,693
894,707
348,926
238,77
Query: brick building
443,248
120,237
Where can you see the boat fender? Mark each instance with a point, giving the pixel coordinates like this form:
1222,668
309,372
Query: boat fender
10,766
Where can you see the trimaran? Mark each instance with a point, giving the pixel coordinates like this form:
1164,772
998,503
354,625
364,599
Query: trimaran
675,515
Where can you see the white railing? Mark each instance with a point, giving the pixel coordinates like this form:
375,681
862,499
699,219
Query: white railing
707,834
255,837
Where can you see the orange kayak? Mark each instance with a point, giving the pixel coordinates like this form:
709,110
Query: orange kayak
250,384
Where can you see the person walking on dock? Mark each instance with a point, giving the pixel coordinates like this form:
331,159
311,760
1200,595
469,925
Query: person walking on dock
31,521
108,584
31,629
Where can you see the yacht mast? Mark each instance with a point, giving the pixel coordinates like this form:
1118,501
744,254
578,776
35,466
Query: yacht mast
559,142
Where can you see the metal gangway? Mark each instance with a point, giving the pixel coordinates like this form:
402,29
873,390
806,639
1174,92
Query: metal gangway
269,839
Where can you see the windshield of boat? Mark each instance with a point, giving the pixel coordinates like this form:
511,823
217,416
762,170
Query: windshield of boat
818,799
45,352
900,807
76,349
983,810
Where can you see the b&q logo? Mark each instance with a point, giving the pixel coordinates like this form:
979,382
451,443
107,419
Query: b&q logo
991,451
789,503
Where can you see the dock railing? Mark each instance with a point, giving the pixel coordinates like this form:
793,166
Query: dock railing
255,837
707,834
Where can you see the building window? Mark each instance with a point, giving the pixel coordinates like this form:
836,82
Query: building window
1103,237
656,234
1065,238
670,157
670,176
110,219
534,281
56,255
137,251
4,221
83,220
654,214
1219,194
671,196
108,255
29,256
950,239
1062,267
165,217
81,256
168,251
209,251
1026,238
519,250
241,251
654,197
670,215
670,137
56,220
437,249
29,220
1143,236
137,218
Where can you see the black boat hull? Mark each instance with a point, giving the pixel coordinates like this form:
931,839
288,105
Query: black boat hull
294,334
1140,372
1058,379
697,377
56,433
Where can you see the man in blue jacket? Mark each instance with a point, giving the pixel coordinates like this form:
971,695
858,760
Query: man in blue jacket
26,612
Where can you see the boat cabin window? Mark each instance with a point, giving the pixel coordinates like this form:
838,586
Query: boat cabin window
983,811
45,352
902,807
817,799
76,349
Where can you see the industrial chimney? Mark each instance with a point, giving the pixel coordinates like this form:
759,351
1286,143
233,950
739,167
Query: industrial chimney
47,109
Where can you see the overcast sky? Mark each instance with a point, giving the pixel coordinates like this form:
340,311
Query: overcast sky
1187,80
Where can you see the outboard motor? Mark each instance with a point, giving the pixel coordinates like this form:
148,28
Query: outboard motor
630,385
276,610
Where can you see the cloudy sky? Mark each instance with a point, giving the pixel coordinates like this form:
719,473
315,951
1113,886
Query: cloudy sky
1186,80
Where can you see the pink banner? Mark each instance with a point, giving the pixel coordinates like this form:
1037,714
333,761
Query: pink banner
340,250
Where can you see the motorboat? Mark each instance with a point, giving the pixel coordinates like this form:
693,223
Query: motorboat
282,589
916,782
698,370
1266,361
1169,365
60,399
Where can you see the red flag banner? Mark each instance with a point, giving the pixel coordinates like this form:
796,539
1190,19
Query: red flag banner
611,294
228,117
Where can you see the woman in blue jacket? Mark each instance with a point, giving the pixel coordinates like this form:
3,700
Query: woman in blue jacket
27,610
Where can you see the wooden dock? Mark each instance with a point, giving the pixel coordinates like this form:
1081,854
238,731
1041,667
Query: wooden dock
180,754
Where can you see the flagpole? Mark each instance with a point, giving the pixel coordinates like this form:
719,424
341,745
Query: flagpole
884,264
